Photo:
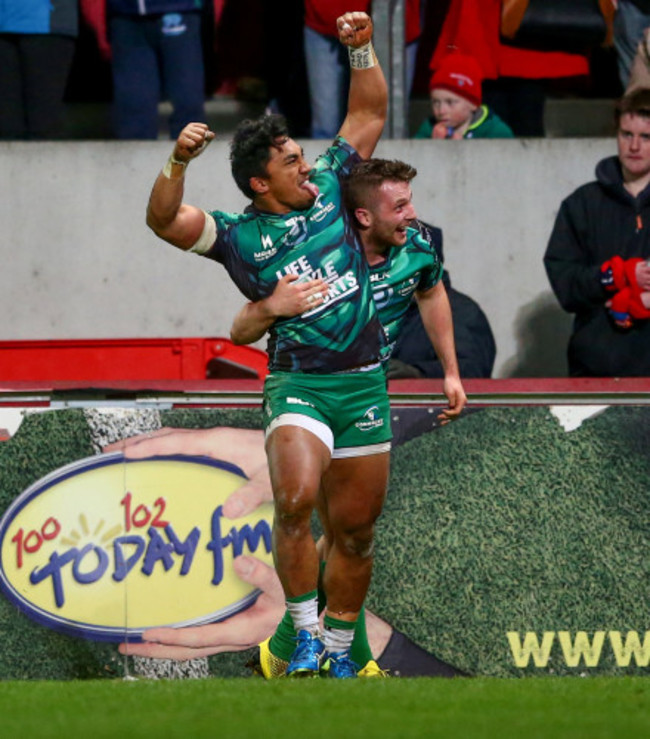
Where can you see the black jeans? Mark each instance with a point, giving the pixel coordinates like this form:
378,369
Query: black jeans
34,70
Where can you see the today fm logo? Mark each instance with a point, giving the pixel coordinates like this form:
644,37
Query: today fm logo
106,547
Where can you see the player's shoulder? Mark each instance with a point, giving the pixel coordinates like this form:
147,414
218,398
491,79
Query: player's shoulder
339,156
425,238
233,219
245,234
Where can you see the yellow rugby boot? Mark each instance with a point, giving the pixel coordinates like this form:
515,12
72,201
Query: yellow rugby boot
372,669
270,665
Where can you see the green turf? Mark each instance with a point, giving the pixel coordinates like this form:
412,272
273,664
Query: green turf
426,707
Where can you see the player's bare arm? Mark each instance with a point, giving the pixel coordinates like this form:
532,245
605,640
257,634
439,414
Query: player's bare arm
289,298
368,97
435,312
171,219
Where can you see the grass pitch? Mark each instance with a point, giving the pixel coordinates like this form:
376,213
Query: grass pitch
399,708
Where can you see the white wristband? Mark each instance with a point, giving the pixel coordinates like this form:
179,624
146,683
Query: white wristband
167,169
362,58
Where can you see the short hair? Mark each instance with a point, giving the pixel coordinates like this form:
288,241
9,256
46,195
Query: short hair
250,148
636,103
367,176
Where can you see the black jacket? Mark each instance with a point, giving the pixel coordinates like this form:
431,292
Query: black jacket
598,221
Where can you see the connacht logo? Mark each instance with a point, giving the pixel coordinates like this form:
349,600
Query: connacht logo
107,547
298,232
372,420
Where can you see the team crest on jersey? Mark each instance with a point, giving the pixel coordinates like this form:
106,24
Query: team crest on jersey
371,420
298,232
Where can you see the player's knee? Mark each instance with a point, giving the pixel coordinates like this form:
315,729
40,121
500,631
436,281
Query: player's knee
359,544
293,509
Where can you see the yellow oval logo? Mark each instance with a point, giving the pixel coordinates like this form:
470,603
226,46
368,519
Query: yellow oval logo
106,547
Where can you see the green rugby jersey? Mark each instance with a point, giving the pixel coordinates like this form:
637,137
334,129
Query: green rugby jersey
258,248
413,266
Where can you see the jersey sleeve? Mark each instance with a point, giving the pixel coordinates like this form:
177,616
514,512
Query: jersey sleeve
339,158
226,251
426,239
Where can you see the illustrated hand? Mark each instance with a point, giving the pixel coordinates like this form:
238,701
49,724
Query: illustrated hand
355,29
379,633
453,389
192,141
239,632
242,447
292,297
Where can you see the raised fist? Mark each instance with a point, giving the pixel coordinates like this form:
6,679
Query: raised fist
355,29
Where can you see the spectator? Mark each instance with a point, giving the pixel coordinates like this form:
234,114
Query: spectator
596,256
640,68
285,69
516,78
327,63
414,355
456,102
37,43
632,17
156,52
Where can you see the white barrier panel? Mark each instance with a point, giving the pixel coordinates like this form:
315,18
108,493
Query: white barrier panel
79,262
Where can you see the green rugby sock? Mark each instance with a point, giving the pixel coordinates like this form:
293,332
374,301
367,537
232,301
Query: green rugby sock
283,642
360,649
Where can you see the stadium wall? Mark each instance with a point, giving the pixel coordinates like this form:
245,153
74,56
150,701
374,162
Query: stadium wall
79,262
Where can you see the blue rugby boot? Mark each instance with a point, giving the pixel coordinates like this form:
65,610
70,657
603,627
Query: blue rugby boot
306,659
339,665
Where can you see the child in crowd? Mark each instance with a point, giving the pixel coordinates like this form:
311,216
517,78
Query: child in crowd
455,91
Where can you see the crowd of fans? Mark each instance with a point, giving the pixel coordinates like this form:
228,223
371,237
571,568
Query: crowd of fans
480,85
136,53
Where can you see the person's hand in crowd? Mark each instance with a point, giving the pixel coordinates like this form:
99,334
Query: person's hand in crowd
643,276
236,633
443,131
242,447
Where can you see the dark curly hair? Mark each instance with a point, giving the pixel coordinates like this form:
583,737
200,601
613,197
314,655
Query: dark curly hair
365,177
250,148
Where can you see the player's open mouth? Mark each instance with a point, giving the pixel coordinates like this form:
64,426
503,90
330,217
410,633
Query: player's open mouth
311,188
